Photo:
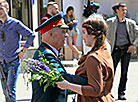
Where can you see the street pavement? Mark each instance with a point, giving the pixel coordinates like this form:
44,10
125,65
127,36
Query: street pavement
24,93
132,83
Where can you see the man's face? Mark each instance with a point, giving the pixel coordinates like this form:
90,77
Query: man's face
54,9
59,37
122,11
3,11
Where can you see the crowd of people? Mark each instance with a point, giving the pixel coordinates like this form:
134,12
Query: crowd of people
93,79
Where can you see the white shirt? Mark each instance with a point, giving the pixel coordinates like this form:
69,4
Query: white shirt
54,49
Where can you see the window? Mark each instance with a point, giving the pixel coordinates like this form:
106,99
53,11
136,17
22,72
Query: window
21,10
43,8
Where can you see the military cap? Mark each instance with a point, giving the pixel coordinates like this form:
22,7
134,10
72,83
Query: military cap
53,22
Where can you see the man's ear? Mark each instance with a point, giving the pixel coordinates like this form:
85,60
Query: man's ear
51,32
7,9
117,10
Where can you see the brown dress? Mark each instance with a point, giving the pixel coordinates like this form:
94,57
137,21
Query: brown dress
98,68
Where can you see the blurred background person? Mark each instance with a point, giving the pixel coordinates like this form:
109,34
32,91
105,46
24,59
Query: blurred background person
122,32
52,9
11,32
113,12
73,31
136,19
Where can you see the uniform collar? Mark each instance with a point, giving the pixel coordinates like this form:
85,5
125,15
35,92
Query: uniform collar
43,44
54,49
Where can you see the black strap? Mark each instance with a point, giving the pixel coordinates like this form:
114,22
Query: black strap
73,99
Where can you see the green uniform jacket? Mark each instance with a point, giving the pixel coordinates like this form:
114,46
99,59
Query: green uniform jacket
53,94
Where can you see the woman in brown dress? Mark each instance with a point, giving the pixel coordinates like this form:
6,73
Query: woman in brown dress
96,65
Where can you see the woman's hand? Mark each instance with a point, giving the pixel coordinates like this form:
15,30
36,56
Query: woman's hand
67,85
75,21
70,23
63,84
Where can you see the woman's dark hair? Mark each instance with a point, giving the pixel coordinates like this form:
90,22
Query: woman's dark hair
95,25
69,8
68,16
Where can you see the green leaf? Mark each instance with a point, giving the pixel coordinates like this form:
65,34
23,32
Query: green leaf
53,84
45,80
36,76
40,81
44,77
47,84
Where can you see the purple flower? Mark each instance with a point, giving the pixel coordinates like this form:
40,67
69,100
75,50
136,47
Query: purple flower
38,65
34,69
46,68
42,70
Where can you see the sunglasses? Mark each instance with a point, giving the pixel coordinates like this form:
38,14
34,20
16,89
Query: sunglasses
2,36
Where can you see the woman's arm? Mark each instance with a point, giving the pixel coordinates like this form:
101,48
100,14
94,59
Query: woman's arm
75,79
95,81
67,85
95,77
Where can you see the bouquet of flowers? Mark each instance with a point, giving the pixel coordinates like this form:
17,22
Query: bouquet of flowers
42,71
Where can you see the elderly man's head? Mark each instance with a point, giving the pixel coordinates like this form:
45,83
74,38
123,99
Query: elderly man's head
55,37
53,31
